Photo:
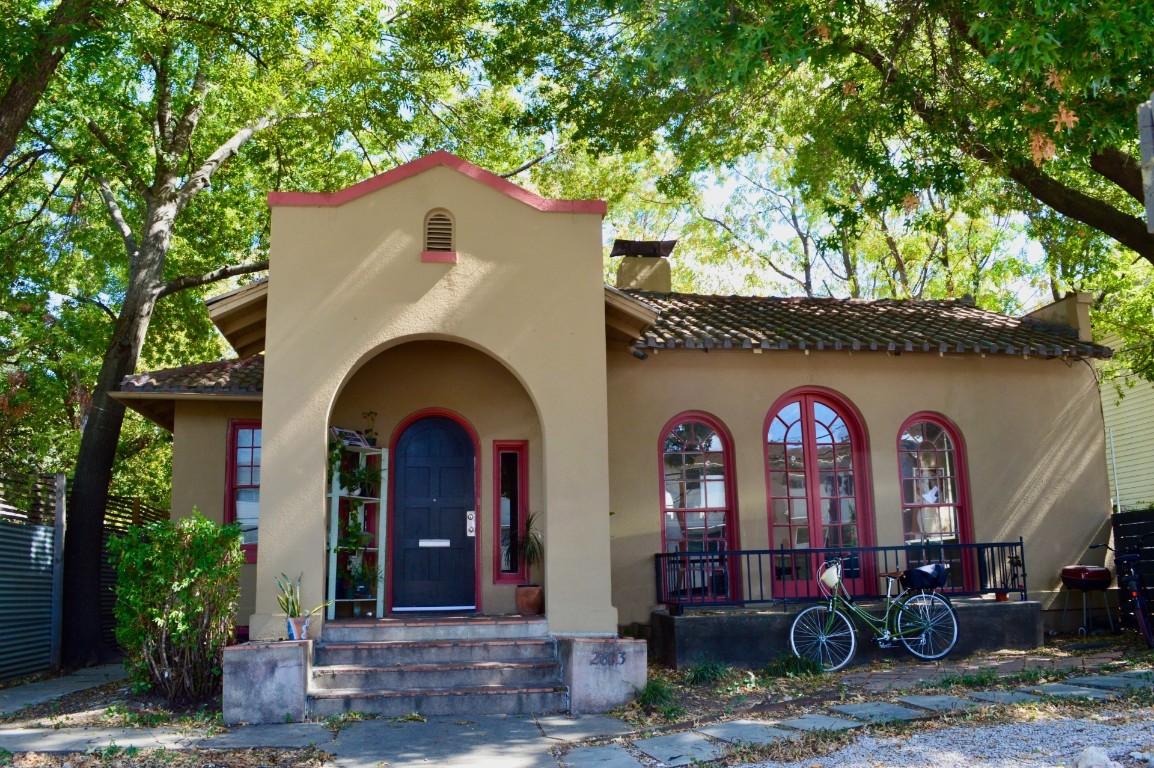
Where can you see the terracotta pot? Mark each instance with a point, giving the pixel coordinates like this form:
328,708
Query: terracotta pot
298,627
530,600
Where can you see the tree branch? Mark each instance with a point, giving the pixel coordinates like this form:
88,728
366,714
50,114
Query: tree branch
1130,231
1120,168
163,124
182,133
97,303
193,281
118,221
781,273
137,184
200,179
533,162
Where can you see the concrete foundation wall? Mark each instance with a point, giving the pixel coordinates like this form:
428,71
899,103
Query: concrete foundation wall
601,673
751,640
266,682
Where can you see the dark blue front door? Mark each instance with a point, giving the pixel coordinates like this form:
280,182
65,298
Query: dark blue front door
434,496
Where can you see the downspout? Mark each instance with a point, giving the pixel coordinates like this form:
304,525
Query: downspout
1114,469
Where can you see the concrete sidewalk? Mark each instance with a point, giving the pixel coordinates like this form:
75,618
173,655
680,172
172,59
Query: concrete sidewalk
582,742
20,696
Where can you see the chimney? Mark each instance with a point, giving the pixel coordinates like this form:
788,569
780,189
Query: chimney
644,266
1072,311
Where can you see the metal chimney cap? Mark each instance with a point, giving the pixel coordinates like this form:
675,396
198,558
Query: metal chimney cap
652,248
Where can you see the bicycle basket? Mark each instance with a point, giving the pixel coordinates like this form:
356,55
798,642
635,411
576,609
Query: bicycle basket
930,576
829,576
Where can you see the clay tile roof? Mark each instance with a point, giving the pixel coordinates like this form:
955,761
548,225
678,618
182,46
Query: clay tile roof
689,321
223,377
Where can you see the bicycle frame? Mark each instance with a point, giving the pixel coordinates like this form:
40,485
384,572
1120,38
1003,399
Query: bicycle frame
884,627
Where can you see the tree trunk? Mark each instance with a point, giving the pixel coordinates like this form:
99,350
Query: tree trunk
83,644
71,21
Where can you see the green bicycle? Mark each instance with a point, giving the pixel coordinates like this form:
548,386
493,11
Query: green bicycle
918,617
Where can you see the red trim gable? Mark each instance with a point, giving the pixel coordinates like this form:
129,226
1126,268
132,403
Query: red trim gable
422,164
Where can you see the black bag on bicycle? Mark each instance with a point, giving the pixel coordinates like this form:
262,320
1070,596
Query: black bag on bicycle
930,576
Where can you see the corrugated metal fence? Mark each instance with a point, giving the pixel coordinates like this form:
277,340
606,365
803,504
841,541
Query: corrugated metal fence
32,517
30,507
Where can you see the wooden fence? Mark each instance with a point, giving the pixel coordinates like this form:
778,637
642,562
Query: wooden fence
1134,532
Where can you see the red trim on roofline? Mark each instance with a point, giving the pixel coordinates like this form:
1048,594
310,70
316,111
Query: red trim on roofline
422,164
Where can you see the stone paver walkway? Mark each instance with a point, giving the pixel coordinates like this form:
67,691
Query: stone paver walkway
552,741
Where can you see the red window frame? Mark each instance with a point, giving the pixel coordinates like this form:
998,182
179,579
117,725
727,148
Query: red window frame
520,450
951,480
231,486
718,581
795,571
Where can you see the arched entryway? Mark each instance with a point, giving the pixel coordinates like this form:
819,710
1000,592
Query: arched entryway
434,503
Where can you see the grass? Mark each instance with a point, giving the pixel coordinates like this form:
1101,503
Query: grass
706,671
989,678
788,665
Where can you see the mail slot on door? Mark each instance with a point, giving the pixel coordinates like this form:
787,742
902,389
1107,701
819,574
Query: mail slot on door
432,542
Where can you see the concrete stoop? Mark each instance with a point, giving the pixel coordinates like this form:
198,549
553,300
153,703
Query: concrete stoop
454,665
437,666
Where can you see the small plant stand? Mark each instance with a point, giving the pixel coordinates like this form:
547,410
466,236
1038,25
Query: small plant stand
342,504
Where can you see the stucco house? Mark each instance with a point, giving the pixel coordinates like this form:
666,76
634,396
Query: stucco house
469,317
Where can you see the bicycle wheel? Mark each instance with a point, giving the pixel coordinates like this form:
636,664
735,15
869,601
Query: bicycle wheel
827,639
927,625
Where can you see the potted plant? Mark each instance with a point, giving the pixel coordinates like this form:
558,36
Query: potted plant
370,433
531,549
290,602
363,577
354,537
362,480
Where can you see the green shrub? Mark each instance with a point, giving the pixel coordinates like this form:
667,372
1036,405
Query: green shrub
706,671
656,693
177,587
788,665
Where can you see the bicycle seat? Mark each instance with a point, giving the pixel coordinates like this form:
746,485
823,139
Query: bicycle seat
1131,558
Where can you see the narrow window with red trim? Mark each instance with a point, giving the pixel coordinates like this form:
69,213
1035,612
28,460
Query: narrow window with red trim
510,500
935,504
242,504
697,506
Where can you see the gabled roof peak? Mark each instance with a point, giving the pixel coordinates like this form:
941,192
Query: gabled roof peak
434,160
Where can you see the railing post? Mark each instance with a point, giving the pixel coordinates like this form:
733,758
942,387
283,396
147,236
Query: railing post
60,522
1022,557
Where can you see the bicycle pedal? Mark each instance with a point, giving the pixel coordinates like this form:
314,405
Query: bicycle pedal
885,643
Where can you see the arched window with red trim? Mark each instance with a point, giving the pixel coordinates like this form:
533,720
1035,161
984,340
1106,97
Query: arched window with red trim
932,468
818,482
697,507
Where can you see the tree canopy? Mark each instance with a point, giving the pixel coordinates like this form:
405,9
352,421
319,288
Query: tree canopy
910,94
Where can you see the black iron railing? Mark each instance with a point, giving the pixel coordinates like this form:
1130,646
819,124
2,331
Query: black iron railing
751,577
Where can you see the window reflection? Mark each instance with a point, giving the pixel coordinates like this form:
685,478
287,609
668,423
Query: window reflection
696,506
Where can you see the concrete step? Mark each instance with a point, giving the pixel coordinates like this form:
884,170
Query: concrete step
454,675
495,700
410,629
391,653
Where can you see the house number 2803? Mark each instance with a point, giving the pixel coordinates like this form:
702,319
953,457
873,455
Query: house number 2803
607,659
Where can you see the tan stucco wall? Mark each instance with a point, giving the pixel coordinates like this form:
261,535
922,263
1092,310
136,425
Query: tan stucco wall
1032,430
199,470
347,282
404,380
